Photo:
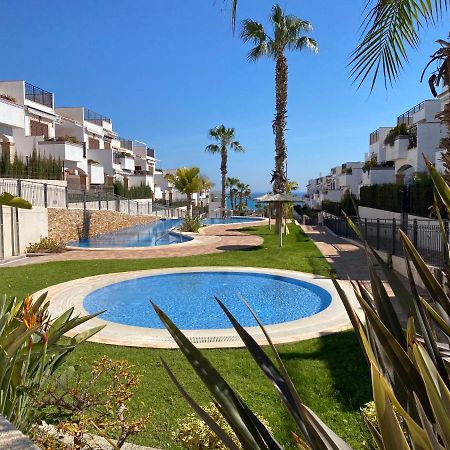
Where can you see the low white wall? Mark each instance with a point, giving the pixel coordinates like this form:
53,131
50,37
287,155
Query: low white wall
373,213
33,224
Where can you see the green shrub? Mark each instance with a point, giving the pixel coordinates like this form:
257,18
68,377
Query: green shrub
31,349
381,196
399,130
346,205
98,404
142,191
191,224
46,245
34,167
193,433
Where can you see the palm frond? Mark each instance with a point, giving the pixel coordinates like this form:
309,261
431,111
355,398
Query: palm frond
237,147
253,31
305,42
389,29
212,148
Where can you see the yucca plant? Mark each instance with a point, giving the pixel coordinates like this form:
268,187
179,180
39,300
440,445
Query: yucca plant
407,352
31,348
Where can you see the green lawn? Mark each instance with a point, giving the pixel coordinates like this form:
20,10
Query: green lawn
330,373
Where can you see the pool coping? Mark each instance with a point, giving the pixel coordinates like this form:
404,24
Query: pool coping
196,239
332,319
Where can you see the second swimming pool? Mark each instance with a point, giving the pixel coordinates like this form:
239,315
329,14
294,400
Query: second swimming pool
152,234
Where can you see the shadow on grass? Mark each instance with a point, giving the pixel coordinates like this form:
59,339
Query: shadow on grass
240,248
342,355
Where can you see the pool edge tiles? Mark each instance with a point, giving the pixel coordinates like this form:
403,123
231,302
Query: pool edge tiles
72,293
188,298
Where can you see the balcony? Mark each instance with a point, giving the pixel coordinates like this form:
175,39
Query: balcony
11,114
97,119
399,149
373,137
38,95
378,175
126,144
150,153
423,112
65,151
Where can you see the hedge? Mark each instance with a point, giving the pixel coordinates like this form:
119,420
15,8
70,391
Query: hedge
388,197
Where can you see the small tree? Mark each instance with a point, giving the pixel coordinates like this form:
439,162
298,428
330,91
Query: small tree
98,404
186,180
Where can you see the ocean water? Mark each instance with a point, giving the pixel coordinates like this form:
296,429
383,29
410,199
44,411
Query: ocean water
252,202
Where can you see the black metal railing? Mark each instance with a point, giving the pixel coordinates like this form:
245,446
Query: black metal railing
374,136
383,234
38,95
407,117
93,117
126,143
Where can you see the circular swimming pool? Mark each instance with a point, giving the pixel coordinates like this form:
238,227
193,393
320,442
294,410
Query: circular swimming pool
292,305
188,299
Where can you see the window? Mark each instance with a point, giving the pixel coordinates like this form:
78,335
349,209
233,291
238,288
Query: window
38,128
94,143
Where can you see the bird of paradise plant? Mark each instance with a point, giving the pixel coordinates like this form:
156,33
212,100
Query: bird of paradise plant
31,348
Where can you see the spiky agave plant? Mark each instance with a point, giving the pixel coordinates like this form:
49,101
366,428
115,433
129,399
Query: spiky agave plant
409,363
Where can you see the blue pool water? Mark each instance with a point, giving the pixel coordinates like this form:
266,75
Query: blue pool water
156,233
188,299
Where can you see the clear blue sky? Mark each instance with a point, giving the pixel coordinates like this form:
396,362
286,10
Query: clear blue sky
166,71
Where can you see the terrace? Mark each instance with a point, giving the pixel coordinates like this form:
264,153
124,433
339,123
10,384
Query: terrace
96,118
38,95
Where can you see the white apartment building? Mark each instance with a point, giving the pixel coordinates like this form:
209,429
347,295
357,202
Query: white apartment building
344,178
397,162
91,152
144,163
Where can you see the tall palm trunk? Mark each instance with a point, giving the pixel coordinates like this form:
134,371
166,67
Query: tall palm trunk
231,197
189,204
223,171
279,127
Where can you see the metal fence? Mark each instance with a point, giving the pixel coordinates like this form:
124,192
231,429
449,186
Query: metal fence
54,196
383,234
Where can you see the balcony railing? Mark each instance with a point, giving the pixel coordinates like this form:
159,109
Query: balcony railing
38,95
407,117
373,137
126,143
93,117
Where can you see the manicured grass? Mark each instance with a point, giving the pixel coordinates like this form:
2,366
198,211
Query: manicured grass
299,253
330,373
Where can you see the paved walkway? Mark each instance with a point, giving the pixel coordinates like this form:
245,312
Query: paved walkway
212,239
348,260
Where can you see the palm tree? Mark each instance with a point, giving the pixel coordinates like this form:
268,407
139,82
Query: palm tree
243,192
231,183
226,140
288,34
187,181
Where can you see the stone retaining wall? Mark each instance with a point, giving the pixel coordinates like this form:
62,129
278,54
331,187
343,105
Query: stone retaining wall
65,225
